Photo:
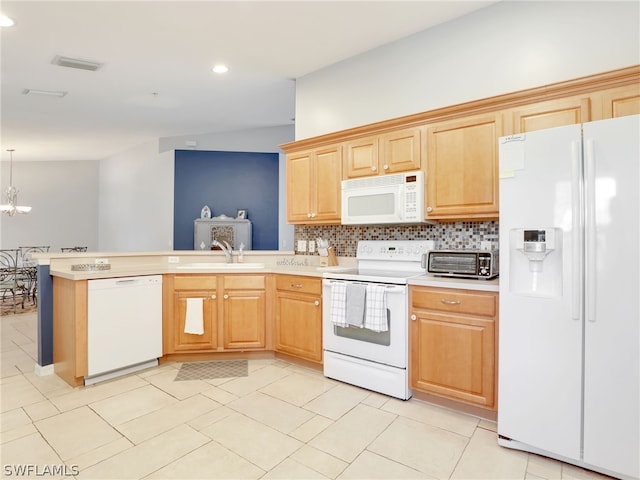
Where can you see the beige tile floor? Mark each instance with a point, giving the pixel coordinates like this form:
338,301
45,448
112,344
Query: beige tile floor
281,421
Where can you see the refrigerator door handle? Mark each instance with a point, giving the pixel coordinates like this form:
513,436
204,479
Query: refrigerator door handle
590,233
577,227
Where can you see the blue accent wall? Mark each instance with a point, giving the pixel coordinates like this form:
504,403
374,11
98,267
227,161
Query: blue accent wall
227,182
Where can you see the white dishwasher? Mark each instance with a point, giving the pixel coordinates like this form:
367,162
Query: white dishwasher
124,325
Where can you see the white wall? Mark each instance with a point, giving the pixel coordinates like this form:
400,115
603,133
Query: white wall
64,197
502,48
136,200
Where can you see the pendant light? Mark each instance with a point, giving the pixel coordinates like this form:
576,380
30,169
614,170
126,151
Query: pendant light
12,207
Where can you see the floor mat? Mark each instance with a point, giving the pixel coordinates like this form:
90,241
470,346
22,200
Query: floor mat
217,369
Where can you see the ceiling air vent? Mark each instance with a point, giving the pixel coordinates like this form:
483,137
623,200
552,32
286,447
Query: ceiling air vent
76,63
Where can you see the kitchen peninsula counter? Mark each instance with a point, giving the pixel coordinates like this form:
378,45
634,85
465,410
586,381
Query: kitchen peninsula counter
154,263
278,262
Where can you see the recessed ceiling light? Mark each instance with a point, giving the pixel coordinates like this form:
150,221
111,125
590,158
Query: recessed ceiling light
220,68
5,21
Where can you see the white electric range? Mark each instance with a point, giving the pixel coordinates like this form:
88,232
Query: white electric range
372,353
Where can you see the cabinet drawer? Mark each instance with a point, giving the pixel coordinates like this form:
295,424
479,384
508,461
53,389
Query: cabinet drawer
299,283
236,282
194,282
451,300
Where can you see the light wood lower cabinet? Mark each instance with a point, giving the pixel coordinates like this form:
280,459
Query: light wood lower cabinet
453,344
190,342
244,311
70,330
298,326
238,300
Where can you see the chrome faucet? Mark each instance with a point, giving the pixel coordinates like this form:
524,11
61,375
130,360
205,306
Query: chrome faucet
226,248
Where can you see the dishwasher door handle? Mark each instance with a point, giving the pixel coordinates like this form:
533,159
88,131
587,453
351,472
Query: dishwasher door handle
130,281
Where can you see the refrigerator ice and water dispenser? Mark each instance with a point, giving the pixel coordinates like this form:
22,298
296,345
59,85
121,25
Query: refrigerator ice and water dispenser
536,261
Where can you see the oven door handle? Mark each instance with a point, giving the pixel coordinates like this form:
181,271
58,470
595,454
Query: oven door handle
390,288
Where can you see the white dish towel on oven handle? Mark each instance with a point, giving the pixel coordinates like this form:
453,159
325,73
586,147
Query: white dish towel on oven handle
338,304
356,295
375,317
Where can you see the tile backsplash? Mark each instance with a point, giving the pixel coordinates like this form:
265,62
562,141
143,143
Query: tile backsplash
456,235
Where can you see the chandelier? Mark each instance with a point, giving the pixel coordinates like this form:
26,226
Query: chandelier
12,207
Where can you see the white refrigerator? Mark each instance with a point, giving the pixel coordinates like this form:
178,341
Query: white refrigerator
569,362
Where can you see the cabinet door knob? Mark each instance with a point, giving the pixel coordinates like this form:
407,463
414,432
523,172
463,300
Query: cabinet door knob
413,317
429,209
373,168
385,166
308,215
213,296
316,303
225,296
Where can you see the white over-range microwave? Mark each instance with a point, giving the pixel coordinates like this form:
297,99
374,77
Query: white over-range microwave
394,198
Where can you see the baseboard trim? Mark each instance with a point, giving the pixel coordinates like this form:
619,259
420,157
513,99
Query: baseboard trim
43,371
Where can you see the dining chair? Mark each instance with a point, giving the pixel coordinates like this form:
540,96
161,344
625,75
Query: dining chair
27,269
25,252
73,249
10,280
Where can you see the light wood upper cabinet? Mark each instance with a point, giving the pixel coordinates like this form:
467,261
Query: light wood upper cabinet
462,167
619,102
361,157
550,114
313,185
455,145
453,344
392,152
611,103
402,151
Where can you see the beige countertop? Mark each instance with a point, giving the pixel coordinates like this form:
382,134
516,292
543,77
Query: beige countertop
463,283
129,264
